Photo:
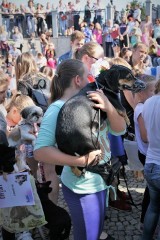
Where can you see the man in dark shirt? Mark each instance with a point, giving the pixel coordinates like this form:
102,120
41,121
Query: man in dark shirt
77,41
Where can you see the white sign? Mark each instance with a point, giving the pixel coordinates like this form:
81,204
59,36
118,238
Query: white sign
16,191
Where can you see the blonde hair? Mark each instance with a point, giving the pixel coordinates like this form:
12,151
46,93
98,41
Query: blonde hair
25,64
77,35
3,79
88,48
20,102
120,61
98,26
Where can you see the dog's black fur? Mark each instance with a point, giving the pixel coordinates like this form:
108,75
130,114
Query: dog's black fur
59,221
78,120
7,155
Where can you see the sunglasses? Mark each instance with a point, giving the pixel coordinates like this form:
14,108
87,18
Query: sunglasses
93,57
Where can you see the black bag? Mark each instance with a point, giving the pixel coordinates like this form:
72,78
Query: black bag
107,171
37,94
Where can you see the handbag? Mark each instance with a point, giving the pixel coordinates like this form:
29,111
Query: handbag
106,171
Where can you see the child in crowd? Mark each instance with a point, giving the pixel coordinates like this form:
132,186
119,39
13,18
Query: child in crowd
14,51
9,63
50,51
32,44
43,41
40,60
97,33
4,47
13,117
141,97
51,56
14,108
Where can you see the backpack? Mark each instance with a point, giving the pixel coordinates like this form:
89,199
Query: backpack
36,92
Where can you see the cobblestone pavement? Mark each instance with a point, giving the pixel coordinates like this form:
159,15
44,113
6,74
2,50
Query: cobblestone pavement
121,225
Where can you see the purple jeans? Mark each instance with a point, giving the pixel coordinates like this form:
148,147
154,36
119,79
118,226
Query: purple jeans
87,213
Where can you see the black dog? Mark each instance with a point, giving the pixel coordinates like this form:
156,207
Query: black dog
7,156
59,221
78,120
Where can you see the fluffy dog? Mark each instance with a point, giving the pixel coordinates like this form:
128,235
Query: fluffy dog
27,128
59,221
78,122
25,133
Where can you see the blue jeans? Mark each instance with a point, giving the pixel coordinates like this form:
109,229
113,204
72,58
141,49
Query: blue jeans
152,175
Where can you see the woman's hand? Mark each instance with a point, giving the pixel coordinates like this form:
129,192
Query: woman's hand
116,121
91,158
101,100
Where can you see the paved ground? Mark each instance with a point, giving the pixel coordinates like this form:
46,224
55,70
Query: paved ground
124,225
121,225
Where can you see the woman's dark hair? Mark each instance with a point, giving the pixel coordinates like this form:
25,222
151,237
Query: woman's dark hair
65,72
124,50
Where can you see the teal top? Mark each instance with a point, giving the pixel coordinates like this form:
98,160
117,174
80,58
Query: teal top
90,182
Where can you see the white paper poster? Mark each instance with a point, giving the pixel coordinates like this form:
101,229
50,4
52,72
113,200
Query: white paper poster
16,191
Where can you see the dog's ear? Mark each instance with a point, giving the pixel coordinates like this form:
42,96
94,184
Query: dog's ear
24,113
109,79
113,78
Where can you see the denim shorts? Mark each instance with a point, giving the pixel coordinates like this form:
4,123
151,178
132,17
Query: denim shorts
152,175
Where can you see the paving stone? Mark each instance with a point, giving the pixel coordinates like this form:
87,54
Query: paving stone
119,224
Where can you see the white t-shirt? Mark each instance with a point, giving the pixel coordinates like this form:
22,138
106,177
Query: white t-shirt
151,115
137,14
142,147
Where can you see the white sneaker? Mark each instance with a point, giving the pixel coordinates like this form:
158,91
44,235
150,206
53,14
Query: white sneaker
26,235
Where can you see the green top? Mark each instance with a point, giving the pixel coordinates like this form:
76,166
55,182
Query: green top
91,182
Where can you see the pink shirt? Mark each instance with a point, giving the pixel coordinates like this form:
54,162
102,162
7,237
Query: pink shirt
98,34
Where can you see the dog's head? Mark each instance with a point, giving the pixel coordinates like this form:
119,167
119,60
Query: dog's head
43,189
32,114
119,77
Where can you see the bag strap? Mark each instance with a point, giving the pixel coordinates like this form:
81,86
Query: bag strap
27,86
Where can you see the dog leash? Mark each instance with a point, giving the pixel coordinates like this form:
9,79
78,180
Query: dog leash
99,121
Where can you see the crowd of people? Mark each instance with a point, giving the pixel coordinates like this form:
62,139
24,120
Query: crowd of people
129,42
38,18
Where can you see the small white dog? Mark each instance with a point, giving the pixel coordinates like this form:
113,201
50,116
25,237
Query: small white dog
25,133
26,130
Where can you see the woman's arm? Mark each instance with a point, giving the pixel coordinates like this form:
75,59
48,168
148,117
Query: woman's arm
53,155
129,97
126,32
117,122
143,132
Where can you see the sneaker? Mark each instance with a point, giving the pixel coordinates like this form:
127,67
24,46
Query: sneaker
120,205
122,195
26,235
